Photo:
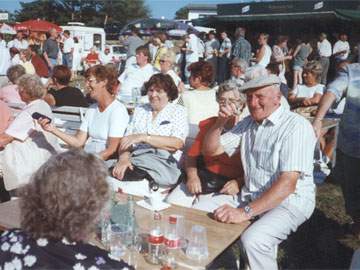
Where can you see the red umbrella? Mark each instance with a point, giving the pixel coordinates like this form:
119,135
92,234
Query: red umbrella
37,25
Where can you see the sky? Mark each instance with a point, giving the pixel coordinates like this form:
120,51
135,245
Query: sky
158,8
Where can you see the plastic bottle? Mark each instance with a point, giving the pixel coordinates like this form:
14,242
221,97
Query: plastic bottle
172,238
156,239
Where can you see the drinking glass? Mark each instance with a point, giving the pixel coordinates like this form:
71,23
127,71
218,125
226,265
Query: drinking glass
120,238
197,248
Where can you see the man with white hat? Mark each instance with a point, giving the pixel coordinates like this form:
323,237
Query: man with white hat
276,148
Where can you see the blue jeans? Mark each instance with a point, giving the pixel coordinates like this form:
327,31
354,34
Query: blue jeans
68,59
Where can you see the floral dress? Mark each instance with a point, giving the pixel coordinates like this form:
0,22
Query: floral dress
19,251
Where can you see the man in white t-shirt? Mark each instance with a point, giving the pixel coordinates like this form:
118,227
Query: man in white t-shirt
191,51
68,49
106,57
341,48
135,75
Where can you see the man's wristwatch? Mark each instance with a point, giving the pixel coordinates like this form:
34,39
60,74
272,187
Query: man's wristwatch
248,211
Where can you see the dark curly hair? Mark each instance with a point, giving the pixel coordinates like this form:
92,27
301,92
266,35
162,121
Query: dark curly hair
202,69
62,74
101,73
65,197
163,81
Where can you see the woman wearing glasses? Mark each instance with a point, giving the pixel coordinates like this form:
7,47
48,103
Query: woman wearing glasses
104,123
167,64
212,181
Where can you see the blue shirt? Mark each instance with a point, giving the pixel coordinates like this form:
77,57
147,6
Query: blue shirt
347,83
242,49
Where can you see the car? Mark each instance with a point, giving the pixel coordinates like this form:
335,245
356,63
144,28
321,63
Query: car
118,51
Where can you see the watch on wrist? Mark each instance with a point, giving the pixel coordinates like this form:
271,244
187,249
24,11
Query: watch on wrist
248,211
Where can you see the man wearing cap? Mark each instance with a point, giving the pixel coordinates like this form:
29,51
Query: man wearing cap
276,148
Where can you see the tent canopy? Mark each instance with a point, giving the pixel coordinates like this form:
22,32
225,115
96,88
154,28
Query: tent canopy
37,26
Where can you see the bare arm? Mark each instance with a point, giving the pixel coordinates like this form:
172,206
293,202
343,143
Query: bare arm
280,190
168,143
260,54
76,141
312,101
112,146
5,139
325,103
296,50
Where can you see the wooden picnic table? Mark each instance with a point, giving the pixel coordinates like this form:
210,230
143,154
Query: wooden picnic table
219,235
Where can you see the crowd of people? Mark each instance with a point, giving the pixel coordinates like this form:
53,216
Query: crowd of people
215,122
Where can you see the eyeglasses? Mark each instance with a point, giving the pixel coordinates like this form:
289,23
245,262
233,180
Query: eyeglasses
225,101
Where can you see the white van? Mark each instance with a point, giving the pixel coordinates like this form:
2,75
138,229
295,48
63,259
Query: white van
88,36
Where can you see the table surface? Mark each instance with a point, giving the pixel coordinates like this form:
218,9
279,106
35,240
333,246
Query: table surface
219,235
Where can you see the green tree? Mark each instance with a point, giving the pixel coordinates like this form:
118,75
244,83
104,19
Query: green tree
182,13
90,12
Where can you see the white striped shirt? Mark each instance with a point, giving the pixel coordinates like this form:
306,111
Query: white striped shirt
284,142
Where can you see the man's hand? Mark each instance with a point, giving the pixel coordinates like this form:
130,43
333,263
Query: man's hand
228,214
193,184
128,141
231,188
317,127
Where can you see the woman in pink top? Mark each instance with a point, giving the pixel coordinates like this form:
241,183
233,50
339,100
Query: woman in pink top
9,93
5,116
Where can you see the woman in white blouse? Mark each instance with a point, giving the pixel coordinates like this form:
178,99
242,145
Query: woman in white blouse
309,93
152,146
105,122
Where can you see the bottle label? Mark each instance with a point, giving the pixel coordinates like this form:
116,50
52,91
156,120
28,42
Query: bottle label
156,238
171,242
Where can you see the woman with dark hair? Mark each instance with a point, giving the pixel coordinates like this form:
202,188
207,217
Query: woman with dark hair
59,210
152,146
105,121
60,93
15,56
200,102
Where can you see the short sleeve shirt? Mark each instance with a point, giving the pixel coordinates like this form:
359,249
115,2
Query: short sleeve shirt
51,48
226,44
170,121
101,125
303,91
284,142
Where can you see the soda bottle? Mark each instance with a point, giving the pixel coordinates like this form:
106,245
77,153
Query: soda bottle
172,238
156,239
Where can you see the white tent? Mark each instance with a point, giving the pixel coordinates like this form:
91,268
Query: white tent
7,29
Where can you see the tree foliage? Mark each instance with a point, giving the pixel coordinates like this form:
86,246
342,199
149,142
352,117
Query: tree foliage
182,13
90,12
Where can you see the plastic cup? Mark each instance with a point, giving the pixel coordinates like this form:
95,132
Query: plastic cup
197,248
120,237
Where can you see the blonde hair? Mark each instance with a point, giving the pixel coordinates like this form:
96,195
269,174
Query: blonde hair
32,85
169,56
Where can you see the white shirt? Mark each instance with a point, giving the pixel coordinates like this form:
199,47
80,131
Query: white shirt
170,121
324,48
303,91
192,55
2,43
106,58
341,46
24,124
68,45
200,104
265,60
284,142
23,44
5,61
101,125
174,76
16,60
134,77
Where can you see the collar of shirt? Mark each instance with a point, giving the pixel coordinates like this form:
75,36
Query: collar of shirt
273,118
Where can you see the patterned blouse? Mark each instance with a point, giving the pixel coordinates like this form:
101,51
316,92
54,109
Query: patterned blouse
19,251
